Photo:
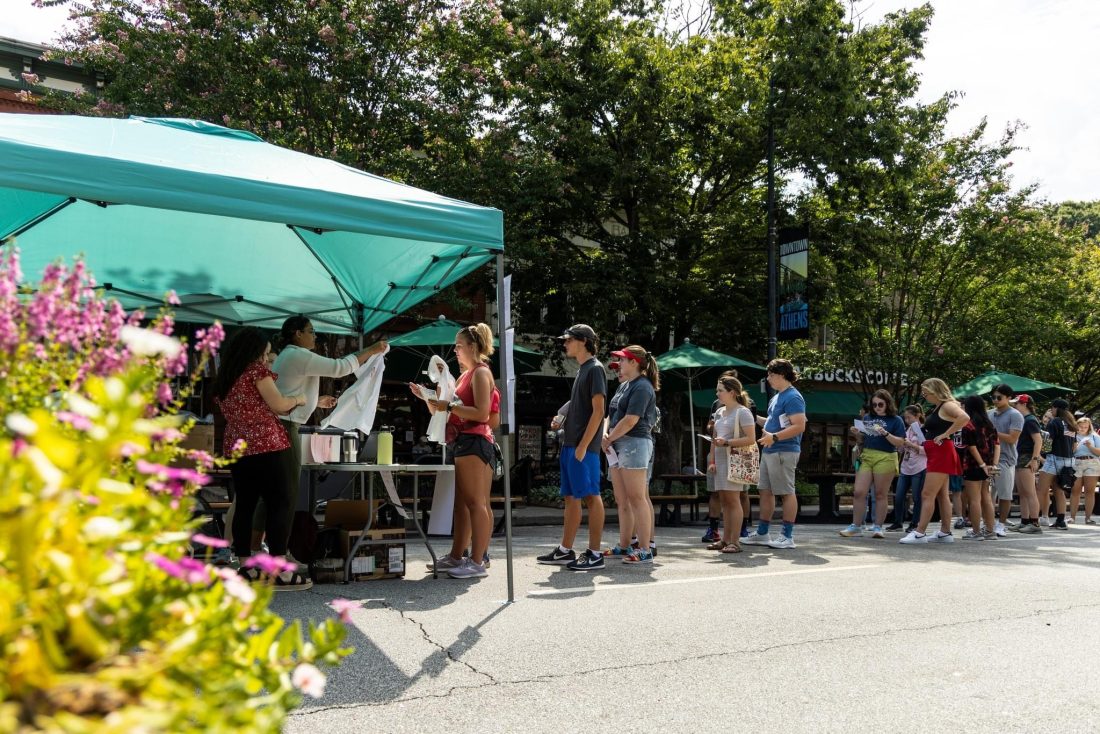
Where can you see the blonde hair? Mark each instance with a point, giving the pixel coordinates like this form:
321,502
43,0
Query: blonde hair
938,388
481,337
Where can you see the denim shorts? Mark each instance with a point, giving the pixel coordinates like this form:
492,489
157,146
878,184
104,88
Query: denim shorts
633,452
1053,464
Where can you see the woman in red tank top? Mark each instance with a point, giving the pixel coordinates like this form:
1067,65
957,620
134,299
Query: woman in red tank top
471,421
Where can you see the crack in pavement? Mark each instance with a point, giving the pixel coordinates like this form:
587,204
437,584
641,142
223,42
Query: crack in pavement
690,658
428,638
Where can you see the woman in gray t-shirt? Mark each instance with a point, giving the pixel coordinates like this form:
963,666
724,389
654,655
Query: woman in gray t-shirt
734,427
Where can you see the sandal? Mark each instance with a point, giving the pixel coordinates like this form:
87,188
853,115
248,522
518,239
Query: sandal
717,545
251,575
294,582
732,548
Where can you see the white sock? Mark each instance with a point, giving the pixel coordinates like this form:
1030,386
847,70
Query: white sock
563,549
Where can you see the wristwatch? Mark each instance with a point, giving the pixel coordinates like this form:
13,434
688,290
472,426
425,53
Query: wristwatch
453,404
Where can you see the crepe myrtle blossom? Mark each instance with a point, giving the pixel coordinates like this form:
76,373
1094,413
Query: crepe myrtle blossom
185,569
209,541
236,586
268,564
149,343
207,341
309,680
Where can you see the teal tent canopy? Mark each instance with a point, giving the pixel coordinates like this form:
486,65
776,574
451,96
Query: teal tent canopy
243,231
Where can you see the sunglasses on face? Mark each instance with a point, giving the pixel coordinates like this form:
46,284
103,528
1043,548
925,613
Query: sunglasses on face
997,397
878,405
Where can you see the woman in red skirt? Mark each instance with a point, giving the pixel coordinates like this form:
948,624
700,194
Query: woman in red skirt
945,419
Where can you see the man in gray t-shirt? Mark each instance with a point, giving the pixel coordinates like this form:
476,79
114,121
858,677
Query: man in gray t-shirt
1009,423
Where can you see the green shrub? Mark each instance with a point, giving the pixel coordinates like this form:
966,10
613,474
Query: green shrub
106,623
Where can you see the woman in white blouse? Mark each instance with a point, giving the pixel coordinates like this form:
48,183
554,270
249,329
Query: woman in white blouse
299,370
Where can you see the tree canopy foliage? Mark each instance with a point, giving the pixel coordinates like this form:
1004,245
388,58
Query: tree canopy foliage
626,143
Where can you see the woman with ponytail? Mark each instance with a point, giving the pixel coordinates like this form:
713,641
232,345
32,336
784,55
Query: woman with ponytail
470,420
632,413
734,428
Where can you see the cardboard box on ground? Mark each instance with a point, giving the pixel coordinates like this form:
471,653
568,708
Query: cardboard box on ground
383,561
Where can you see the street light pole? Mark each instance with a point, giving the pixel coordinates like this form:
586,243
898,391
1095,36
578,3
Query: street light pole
773,255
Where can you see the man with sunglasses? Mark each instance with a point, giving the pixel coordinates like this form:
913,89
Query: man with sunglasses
1009,423
580,453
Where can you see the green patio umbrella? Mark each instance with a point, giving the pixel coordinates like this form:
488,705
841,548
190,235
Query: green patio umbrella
410,353
690,365
984,383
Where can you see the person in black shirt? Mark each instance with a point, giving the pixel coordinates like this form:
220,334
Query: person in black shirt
1062,427
1027,463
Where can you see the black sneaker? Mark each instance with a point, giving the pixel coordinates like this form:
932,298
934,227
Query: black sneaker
1059,526
589,561
894,528
557,558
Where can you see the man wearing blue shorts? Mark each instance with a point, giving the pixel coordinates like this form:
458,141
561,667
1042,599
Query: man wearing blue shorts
580,453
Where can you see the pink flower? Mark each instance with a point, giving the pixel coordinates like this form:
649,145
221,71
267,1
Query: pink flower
268,564
236,586
201,458
30,78
209,542
164,393
327,35
185,569
208,340
77,421
344,608
309,680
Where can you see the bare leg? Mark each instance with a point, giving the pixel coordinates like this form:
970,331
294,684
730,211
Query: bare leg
572,521
859,497
1043,493
974,503
790,507
1029,501
767,505
935,483
987,506
637,498
624,505
460,525
1090,496
732,515
1075,499
882,490
595,521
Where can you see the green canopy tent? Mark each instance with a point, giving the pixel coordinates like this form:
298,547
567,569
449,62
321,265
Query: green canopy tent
243,231
410,353
984,383
689,364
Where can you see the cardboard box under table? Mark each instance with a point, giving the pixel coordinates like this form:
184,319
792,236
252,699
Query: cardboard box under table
365,521
374,553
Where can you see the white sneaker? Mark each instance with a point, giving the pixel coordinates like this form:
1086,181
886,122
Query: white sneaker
851,531
781,541
914,538
970,535
876,532
940,537
755,538
999,529
1044,522
1071,518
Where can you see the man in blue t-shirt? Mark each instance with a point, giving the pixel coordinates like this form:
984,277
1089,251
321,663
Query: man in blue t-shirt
782,445
580,453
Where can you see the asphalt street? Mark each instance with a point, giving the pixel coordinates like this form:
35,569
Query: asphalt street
835,635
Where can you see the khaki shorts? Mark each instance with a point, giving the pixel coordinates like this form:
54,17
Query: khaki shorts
777,472
873,461
1004,482
1087,468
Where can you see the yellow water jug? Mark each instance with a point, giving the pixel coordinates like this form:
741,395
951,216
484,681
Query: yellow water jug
385,445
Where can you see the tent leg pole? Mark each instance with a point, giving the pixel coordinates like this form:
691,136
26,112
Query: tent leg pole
503,321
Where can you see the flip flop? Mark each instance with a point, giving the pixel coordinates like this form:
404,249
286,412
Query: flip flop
732,548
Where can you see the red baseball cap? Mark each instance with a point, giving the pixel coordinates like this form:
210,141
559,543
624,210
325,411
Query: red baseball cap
1023,398
626,354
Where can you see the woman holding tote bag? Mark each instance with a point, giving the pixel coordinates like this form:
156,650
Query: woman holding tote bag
733,467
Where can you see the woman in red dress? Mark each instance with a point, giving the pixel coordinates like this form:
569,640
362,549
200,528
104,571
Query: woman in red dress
245,390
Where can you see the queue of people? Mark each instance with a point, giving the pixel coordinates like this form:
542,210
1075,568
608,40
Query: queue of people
960,458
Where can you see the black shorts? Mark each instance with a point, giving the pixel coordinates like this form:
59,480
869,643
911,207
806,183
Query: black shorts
471,444
975,475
